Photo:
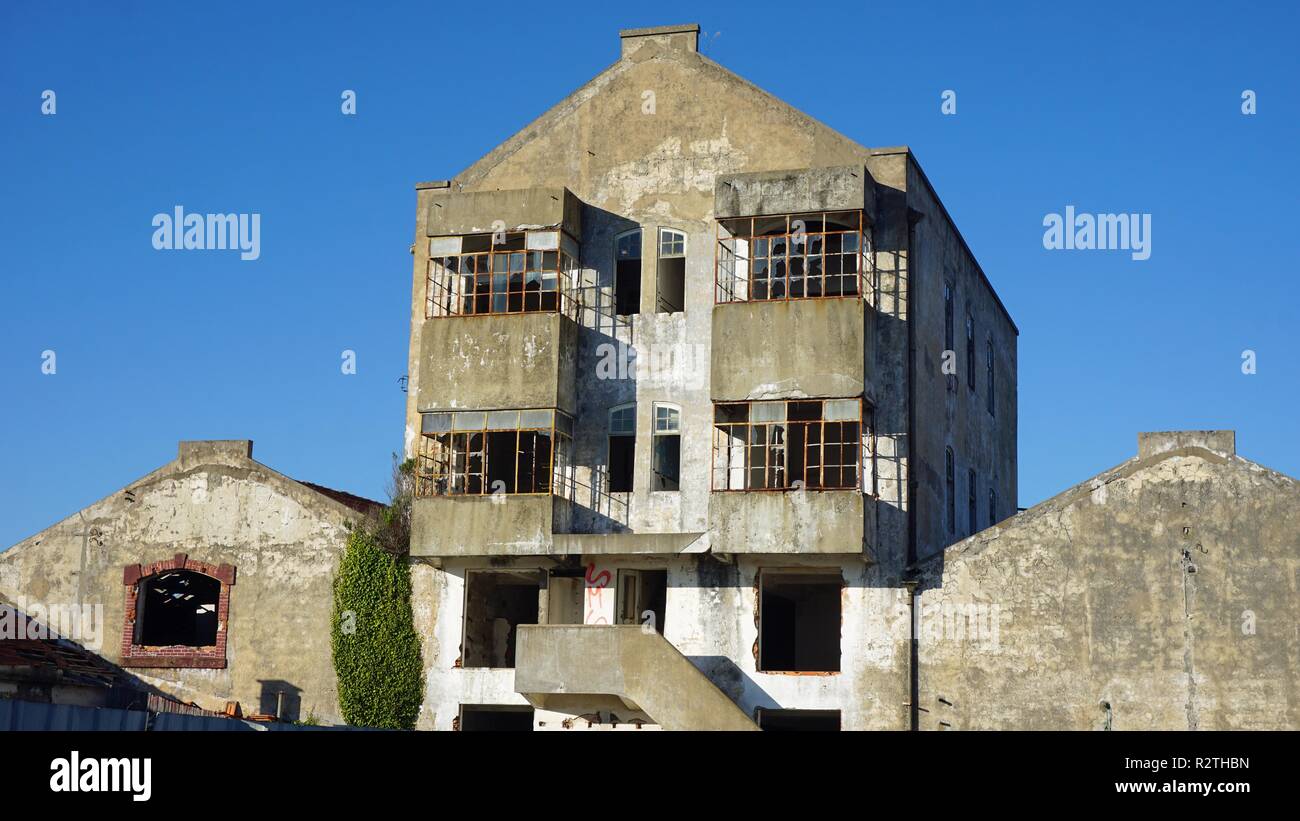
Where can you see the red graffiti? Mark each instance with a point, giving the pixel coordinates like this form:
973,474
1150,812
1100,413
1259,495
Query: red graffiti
596,584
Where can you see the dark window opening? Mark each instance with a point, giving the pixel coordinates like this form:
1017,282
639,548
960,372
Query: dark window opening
970,351
988,368
950,479
993,507
668,461
486,452
495,718
970,478
496,603
671,281
622,458
177,607
642,597
799,623
627,274
799,720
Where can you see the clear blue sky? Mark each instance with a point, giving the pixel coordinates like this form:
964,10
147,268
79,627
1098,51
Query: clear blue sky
1110,107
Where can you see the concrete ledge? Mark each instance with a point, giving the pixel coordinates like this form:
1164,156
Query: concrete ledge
481,212
834,188
804,522
506,525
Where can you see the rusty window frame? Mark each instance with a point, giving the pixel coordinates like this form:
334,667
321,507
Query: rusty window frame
445,465
761,446
730,285
491,272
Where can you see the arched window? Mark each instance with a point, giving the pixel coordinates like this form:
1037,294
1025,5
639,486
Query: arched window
667,447
627,273
176,612
622,448
670,296
950,473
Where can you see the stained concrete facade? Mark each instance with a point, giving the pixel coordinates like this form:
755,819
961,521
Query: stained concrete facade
667,139
275,541
1160,594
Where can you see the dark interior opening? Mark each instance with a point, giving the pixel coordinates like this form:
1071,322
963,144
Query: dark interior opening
799,720
177,607
642,591
668,461
799,627
501,461
627,287
671,285
622,458
495,718
496,603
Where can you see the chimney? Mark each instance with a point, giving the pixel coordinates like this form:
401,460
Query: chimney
1222,442
219,451
684,38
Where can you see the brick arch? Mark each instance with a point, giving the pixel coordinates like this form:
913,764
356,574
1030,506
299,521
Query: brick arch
175,656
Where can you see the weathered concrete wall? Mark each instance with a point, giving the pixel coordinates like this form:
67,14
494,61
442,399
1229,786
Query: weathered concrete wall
790,349
840,188
949,411
483,525
1158,595
825,521
496,362
482,212
217,505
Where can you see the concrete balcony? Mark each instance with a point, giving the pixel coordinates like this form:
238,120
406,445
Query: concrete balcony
492,525
556,662
791,349
497,362
791,522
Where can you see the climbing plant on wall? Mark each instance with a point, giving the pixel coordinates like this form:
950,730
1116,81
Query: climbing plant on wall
376,649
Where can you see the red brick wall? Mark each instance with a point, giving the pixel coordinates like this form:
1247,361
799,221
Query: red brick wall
137,655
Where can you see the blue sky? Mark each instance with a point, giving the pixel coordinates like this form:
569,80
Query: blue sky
1109,107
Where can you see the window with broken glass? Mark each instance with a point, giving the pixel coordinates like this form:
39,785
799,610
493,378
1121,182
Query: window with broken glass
814,444
793,256
516,272
491,452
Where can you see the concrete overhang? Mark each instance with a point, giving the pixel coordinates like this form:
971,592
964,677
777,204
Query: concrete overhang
623,544
455,213
792,522
833,188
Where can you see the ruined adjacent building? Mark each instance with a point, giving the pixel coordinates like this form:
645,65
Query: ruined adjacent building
693,380
209,581
1160,594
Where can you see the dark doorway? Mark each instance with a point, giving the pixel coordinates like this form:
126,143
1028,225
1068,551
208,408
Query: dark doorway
799,628
495,718
622,458
799,720
496,603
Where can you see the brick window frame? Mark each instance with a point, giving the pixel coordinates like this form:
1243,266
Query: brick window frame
175,656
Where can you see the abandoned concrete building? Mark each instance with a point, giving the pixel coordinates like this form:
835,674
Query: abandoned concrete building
693,380
208,581
1160,594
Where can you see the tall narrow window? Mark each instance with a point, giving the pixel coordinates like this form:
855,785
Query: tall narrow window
949,339
670,296
988,370
993,507
951,489
667,447
622,448
970,503
970,351
627,273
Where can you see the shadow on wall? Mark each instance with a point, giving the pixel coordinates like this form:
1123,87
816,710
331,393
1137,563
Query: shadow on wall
280,699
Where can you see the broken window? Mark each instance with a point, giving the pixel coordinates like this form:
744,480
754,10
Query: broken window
496,603
642,596
495,718
790,445
667,447
970,500
177,607
793,256
950,474
503,273
799,720
671,272
488,452
988,372
627,273
622,448
799,623
970,351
